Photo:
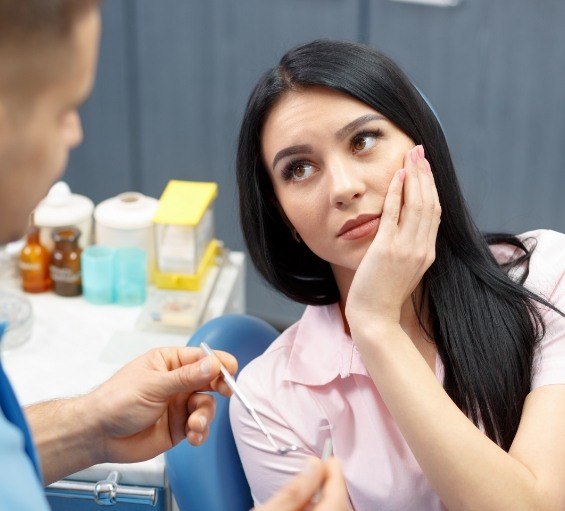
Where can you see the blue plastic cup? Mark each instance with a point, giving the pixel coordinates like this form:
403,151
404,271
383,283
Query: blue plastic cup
97,266
130,282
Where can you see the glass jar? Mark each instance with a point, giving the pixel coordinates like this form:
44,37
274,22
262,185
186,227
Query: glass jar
65,262
34,264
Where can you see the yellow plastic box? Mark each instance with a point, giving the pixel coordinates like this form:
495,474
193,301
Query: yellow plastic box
184,234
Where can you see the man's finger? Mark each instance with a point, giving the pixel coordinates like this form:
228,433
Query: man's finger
201,410
197,370
335,490
177,417
299,491
190,354
191,377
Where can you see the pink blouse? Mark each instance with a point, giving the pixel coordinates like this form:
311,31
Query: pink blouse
311,383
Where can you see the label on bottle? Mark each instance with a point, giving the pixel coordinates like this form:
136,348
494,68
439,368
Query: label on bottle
64,275
25,266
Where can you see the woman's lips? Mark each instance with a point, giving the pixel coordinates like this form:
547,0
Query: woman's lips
362,230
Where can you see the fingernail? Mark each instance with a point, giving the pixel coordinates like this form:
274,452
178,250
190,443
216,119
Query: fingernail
205,367
414,155
198,438
420,151
203,421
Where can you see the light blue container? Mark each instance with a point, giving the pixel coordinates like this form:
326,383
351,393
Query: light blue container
97,266
130,282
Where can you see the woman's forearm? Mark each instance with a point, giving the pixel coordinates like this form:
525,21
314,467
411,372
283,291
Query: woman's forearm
467,469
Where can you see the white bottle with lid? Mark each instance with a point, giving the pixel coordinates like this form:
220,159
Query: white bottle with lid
127,221
61,208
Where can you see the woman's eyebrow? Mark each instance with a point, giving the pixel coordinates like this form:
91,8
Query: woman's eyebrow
340,135
289,151
353,125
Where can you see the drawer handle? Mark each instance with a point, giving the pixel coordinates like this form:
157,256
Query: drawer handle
105,493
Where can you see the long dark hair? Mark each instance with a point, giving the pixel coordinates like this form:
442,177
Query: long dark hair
485,324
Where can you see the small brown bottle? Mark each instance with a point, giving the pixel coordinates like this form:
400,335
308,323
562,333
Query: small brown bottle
34,263
65,262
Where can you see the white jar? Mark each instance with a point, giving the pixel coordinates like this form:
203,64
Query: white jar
61,208
127,221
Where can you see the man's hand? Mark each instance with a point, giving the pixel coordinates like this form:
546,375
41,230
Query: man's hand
154,402
148,406
297,495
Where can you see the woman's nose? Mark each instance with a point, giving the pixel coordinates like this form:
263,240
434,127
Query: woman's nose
346,184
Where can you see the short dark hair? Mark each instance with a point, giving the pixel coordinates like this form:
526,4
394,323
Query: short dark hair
24,21
31,31
472,301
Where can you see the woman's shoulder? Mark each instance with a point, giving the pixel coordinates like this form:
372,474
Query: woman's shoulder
270,365
274,359
268,380
550,243
279,362
547,262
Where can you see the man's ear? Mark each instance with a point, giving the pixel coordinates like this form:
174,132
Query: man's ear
3,125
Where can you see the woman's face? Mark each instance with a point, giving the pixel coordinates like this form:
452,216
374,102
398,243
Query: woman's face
331,158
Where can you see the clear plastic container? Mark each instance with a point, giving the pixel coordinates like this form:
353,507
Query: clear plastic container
184,234
16,311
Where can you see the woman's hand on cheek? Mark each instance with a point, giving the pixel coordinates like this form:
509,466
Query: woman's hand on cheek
403,248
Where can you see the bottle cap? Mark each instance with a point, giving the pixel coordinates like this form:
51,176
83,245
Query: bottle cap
129,210
61,207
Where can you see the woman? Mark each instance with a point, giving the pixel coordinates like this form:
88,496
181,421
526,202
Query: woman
434,356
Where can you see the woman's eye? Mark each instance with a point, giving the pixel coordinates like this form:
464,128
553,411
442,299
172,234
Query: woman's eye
298,171
363,142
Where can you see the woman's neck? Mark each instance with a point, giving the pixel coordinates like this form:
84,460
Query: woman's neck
408,317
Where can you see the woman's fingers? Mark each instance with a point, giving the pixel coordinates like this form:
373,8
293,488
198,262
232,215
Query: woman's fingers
392,205
436,215
427,187
412,207
420,213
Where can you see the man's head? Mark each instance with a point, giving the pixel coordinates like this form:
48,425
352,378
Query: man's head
48,54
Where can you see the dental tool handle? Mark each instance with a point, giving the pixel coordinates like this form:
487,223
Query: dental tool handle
328,449
228,378
259,423
230,382
326,454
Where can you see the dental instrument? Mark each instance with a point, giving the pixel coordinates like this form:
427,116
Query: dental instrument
230,381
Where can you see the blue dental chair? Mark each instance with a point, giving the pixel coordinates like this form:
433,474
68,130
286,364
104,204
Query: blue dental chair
210,477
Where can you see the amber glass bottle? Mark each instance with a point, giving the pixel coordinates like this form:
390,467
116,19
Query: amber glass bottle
34,264
65,262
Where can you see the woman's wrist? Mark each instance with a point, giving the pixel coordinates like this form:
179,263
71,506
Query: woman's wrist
375,332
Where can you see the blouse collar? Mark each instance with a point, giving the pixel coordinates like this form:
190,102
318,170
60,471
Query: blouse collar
322,350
